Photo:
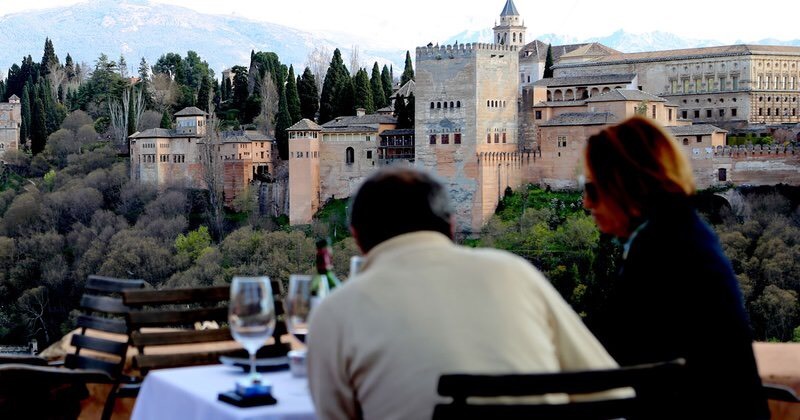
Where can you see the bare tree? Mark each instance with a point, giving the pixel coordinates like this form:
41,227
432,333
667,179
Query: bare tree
163,90
355,60
120,112
82,73
318,61
33,304
213,170
56,77
269,105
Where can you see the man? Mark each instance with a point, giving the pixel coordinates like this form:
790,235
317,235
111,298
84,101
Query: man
423,306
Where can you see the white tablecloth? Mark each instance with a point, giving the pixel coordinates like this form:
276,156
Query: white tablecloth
191,393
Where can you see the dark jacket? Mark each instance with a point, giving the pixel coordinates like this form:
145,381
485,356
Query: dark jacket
677,296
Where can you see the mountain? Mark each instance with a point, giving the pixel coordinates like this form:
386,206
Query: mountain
619,40
137,28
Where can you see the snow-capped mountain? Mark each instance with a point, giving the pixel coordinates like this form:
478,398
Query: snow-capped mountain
137,28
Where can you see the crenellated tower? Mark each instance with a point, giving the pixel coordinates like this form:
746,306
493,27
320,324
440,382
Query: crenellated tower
511,30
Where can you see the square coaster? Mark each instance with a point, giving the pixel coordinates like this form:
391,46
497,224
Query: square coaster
231,397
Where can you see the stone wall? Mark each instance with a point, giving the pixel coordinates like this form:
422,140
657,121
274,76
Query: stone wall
10,121
339,178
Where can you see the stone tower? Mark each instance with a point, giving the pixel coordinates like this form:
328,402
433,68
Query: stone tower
466,124
511,30
10,122
304,182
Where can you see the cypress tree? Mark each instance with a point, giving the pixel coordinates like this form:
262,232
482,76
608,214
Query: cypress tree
404,108
25,128
309,97
144,83
282,122
49,57
378,95
363,92
548,63
386,81
69,68
347,96
328,102
227,89
204,93
166,120
399,109
293,97
408,72
3,91
38,126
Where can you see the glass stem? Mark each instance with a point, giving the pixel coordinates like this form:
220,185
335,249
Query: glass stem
252,363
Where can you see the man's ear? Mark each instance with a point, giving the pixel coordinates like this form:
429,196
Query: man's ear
354,233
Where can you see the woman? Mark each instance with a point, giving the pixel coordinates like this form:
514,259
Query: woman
676,295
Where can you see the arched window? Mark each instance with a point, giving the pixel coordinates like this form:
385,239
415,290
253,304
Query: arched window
349,155
514,36
445,104
451,104
431,105
685,142
438,105
458,104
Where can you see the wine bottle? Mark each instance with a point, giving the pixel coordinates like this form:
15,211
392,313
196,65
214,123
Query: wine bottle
325,279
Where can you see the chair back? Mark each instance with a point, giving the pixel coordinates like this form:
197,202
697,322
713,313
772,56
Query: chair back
106,347
654,384
170,317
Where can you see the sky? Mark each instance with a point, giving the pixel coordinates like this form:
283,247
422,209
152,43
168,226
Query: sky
409,23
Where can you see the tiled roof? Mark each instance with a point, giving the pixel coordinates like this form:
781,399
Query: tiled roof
626,95
352,129
556,104
695,130
305,125
398,132
539,50
406,89
190,111
581,118
509,9
363,120
257,136
604,79
688,53
153,133
595,49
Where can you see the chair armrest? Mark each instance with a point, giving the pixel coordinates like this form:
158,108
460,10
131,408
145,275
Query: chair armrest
56,363
780,393
30,374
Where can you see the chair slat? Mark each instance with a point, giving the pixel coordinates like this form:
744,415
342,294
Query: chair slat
116,326
139,319
74,361
604,409
112,284
148,362
115,348
103,304
180,337
176,296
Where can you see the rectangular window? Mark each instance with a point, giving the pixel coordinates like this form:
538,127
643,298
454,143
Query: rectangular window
497,137
445,139
708,113
538,115
711,84
674,86
721,112
722,82
369,138
433,139
504,137
562,141
457,138
699,139
488,137
685,85
669,113
697,113
654,112
723,174
733,112
369,154
735,82
684,115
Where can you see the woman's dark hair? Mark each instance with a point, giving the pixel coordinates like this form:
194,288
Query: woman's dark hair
395,201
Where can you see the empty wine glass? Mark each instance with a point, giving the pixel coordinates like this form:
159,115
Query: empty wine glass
299,302
251,314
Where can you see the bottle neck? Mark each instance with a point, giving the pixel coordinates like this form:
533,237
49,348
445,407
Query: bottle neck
324,264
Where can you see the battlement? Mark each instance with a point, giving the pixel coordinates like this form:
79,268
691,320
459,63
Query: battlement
439,52
528,155
746,151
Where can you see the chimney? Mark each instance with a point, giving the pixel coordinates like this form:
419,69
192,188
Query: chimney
360,112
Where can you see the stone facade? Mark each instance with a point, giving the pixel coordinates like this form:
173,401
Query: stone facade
725,85
10,123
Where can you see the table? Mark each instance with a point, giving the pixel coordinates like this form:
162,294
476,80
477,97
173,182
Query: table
191,393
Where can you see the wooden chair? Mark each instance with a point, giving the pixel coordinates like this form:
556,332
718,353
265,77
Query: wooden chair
104,313
779,392
33,391
653,384
168,317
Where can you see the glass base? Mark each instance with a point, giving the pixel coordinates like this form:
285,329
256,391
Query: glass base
252,386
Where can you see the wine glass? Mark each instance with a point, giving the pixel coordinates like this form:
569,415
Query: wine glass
251,314
299,302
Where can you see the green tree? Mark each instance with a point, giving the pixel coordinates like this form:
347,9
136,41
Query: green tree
25,127
386,81
309,97
194,243
378,95
548,63
293,97
144,83
38,126
282,121
240,91
408,71
49,58
166,120
337,91
363,92
405,111
641,109
204,93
